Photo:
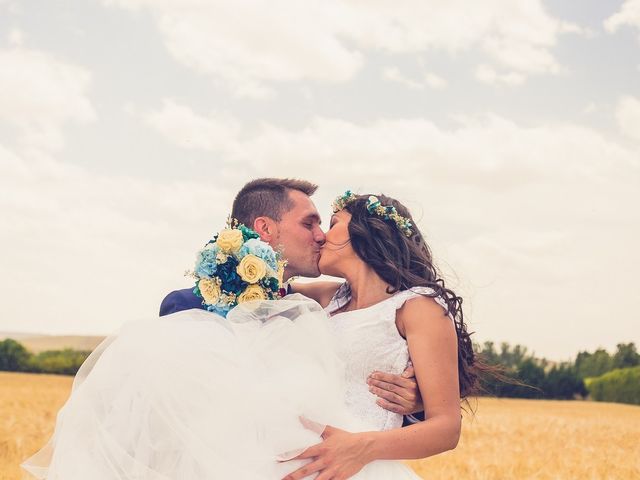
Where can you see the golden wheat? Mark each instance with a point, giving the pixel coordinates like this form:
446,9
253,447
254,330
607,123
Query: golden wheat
506,439
28,405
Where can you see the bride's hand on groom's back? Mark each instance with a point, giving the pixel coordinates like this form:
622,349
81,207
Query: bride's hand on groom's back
396,393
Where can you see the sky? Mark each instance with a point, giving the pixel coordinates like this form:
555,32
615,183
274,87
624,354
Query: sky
510,128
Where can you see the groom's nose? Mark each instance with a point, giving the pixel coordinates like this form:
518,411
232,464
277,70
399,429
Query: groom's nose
319,236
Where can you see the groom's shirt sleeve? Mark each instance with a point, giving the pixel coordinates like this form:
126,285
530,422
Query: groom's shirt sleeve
169,304
411,419
180,300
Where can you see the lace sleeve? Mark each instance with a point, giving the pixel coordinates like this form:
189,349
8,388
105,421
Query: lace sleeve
413,292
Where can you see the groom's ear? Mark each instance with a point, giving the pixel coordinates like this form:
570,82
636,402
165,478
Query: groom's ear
266,228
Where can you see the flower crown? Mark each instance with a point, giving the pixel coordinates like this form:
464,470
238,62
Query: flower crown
374,207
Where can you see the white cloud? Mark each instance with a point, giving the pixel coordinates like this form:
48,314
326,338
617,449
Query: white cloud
190,130
40,94
434,81
627,15
628,117
428,79
83,252
517,34
516,211
15,37
12,7
487,74
394,74
250,44
486,151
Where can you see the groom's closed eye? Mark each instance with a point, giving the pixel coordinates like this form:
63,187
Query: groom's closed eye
311,221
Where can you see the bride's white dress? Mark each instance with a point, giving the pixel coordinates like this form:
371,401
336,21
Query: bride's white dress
196,396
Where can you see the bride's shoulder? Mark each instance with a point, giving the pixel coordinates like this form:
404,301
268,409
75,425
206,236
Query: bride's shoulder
321,292
419,308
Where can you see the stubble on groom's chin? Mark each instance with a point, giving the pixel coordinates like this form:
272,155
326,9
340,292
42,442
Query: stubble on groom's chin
311,269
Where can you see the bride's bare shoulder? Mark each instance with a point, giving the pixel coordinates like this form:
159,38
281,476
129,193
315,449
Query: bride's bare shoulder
321,292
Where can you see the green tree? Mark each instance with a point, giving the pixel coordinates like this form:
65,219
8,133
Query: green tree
65,362
620,385
513,356
626,356
532,375
13,356
593,364
562,382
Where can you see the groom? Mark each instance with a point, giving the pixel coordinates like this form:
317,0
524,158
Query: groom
282,213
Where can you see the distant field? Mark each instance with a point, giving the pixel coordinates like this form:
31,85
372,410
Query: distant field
40,343
507,439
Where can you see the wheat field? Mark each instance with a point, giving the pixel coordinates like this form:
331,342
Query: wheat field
505,439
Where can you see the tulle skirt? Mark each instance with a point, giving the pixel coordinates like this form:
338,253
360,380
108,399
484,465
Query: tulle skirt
196,396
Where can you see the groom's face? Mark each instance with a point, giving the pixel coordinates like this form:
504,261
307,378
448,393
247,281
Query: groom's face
300,236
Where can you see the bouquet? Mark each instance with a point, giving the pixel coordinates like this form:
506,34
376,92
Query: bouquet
234,267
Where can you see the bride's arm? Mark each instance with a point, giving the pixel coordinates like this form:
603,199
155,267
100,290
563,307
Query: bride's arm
433,348
321,292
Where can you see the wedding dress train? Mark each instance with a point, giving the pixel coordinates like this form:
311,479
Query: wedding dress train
194,395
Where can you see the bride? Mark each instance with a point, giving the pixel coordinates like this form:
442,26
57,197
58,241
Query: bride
270,387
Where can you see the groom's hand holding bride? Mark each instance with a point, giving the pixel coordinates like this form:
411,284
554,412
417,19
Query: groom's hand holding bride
396,393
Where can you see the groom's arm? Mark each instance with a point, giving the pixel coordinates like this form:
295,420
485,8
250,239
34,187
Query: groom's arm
398,394
179,300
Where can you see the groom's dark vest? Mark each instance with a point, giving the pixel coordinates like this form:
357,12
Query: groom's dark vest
185,299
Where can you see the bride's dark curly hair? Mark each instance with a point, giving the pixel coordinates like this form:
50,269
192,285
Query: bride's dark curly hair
405,261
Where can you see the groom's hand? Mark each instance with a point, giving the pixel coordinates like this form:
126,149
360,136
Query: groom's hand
396,393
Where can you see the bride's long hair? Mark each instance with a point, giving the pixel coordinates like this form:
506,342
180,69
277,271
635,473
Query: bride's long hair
405,261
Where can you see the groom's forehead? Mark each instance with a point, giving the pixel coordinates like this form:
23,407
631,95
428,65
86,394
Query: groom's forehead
308,212
304,207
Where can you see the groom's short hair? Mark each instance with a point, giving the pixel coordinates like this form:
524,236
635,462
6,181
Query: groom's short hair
267,197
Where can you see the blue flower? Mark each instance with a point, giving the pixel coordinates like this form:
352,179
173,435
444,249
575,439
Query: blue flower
220,310
231,281
206,265
260,249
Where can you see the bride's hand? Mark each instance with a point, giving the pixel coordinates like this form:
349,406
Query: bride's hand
340,456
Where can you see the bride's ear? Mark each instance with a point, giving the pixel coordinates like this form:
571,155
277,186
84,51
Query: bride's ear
266,228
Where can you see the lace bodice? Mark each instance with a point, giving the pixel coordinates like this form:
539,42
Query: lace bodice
368,340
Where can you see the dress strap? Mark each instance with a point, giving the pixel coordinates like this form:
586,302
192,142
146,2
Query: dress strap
401,297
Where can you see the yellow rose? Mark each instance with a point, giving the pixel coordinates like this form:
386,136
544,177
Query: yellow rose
251,268
210,290
253,292
230,240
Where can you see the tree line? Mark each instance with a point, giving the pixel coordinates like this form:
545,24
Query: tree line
599,375
14,357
